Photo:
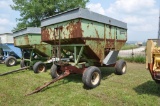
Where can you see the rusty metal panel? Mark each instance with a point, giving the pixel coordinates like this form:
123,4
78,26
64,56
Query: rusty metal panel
93,35
99,34
92,29
97,46
28,36
67,30
44,49
27,40
21,40
32,39
121,38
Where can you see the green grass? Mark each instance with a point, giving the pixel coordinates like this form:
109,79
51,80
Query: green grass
129,46
135,88
137,59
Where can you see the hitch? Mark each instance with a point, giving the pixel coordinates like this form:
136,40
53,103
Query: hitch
38,89
14,71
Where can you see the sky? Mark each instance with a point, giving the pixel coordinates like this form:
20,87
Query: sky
141,16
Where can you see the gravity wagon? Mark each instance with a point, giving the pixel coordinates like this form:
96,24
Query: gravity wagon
34,52
83,41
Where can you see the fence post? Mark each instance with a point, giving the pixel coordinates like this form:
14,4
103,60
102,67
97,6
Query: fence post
132,53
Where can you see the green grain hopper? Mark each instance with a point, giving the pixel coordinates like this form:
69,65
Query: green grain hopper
83,41
34,52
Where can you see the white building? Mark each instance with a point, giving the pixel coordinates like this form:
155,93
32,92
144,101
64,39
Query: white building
6,38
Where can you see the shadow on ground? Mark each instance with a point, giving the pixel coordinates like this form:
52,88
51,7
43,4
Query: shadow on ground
107,72
77,78
149,87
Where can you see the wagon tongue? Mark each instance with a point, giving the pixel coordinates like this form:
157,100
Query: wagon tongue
14,71
38,89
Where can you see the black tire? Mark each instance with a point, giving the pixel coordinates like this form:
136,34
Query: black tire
10,61
22,64
157,81
39,67
55,71
91,77
120,67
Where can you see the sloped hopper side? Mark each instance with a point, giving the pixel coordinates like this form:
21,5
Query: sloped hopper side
99,38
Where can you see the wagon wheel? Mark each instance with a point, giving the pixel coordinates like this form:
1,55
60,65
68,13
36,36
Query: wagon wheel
24,63
92,77
10,61
55,71
39,67
157,81
120,67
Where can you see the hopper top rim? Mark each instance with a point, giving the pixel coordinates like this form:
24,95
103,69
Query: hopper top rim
83,14
28,30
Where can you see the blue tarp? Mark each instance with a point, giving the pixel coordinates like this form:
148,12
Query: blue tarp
10,48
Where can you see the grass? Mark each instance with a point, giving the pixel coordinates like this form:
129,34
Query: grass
135,88
129,46
137,59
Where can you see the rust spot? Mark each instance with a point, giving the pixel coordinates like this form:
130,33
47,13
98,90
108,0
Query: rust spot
96,39
15,43
26,39
74,29
110,43
150,67
60,28
44,49
57,32
110,35
90,54
97,33
44,34
73,69
119,44
88,25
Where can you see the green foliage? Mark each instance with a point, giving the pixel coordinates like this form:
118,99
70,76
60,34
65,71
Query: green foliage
32,11
137,59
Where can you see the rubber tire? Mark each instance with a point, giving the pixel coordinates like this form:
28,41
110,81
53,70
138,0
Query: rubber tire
22,64
157,81
119,68
87,76
54,72
8,60
36,66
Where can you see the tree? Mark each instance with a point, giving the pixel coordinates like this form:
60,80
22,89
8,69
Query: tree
33,11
